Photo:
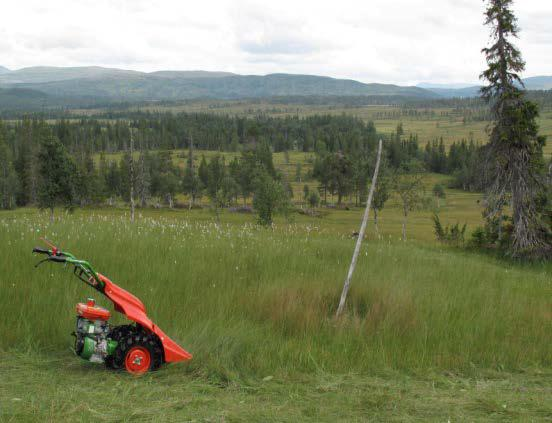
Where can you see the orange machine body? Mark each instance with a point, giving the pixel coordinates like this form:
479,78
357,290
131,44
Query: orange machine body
91,311
134,310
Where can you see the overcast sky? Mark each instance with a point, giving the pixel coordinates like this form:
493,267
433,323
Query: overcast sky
394,41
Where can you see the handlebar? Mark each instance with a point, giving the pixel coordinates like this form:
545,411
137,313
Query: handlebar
55,252
41,250
58,259
83,270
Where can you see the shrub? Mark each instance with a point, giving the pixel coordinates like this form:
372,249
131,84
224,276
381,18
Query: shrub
449,234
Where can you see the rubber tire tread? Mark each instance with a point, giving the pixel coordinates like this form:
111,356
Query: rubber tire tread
136,338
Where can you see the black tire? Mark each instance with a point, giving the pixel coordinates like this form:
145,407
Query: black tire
136,338
116,334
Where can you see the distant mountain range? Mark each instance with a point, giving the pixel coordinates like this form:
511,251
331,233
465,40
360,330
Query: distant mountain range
124,85
64,85
533,83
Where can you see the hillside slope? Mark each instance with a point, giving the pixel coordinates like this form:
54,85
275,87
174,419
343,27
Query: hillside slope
124,85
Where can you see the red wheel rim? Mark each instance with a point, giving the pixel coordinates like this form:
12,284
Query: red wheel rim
138,360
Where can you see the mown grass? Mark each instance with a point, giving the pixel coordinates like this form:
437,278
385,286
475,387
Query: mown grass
54,387
256,307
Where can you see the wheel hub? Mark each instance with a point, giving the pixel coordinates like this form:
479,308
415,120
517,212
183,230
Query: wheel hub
138,360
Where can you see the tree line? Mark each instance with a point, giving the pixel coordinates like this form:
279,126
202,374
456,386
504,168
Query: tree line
153,131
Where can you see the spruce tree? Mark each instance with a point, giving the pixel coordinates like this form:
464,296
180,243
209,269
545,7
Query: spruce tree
515,163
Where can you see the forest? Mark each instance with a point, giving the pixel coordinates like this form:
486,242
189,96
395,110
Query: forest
342,148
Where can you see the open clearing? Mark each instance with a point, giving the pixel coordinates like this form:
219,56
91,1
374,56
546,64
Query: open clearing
55,387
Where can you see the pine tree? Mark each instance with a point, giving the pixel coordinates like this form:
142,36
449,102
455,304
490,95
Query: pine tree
215,175
515,161
102,176
264,158
321,171
112,181
409,187
203,172
234,140
57,172
25,162
381,195
8,177
230,189
143,179
269,197
306,192
313,199
340,175
168,177
248,170
191,185
298,172
123,188
87,187
439,193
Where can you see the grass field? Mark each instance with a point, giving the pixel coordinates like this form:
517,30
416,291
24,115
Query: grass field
431,333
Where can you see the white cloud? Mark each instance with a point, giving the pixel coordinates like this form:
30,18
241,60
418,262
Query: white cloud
400,41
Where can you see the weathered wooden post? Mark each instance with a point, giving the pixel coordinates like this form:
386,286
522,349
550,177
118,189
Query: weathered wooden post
360,236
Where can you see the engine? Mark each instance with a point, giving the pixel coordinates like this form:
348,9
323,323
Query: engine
92,342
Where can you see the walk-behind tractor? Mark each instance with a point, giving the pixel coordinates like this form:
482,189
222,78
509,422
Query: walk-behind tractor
137,347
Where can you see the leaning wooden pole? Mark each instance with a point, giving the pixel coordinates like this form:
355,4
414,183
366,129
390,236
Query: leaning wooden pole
360,237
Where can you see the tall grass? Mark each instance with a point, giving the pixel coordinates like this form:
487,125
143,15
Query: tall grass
250,301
